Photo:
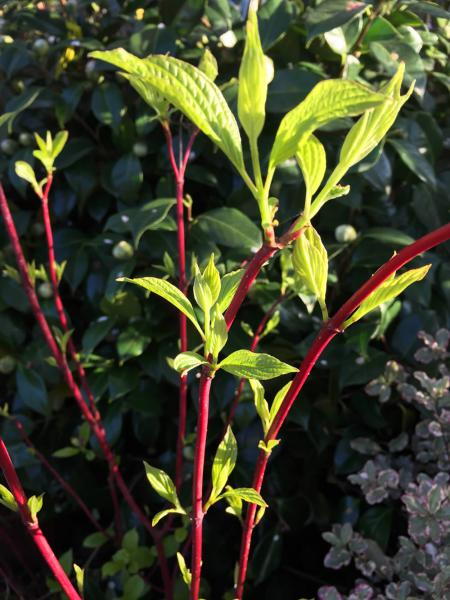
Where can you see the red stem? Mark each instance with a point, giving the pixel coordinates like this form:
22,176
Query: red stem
32,525
197,487
96,426
66,486
326,334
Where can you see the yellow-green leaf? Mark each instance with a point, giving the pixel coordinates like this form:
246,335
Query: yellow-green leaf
185,361
247,494
262,408
162,484
7,499
388,290
163,513
310,262
253,365
169,292
312,161
223,464
185,572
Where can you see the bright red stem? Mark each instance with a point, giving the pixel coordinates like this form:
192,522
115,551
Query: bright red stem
32,526
326,334
197,487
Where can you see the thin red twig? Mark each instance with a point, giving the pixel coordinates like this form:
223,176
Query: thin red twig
32,524
326,334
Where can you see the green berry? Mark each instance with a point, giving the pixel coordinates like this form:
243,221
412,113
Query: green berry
26,139
140,149
41,47
8,146
45,290
7,364
123,250
345,233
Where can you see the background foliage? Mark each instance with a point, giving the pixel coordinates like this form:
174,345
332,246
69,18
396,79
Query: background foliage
114,185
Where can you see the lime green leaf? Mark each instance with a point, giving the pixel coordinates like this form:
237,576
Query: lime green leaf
66,452
79,576
208,64
371,128
212,278
186,361
223,465
163,513
35,504
218,334
7,499
59,142
388,290
170,293
150,95
329,100
95,540
252,91
253,365
268,446
247,494
312,161
25,171
234,504
185,572
229,284
202,292
262,408
162,484
276,403
189,90
310,262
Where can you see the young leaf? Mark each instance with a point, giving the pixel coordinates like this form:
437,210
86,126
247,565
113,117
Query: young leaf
389,289
208,64
329,100
229,284
186,361
7,499
371,128
163,513
185,572
262,408
170,293
162,484
276,403
252,91
202,292
218,334
25,171
253,365
310,262
79,576
223,465
312,161
234,504
189,90
212,278
35,504
150,95
247,494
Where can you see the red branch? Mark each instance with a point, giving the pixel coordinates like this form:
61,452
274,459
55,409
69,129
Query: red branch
197,487
32,525
326,334
95,425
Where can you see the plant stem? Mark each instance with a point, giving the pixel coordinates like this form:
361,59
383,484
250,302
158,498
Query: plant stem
197,487
95,425
66,486
32,525
326,334
178,174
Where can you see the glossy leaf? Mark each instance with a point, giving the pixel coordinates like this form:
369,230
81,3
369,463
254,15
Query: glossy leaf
262,408
247,494
223,464
7,499
185,572
186,361
188,89
229,284
310,260
253,365
230,227
312,161
388,290
329,100
162,484
170,293
163,513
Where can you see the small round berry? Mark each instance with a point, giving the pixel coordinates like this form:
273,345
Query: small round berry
26,139
41,47
8,146
345,233
140,149
7,364
123,250
45,290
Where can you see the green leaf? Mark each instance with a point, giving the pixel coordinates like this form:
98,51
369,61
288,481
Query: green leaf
79,576
212,278
32,390
150,95
163,513
95,540
388,290
7,499
107,104
66,452
253,83
202,292
186,361
277,401
218,334
26,171
162,484
329,100
371,128
312,161
415,161
253,365
310,261
230,227
247,494
185,572
330,14
34,504
170,293
134,588
229,284
262,408
189,90
208,64
127,177
15,106
223,465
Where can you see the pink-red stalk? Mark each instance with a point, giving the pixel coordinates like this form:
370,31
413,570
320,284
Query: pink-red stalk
329,329
197,484
32,525
95,425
